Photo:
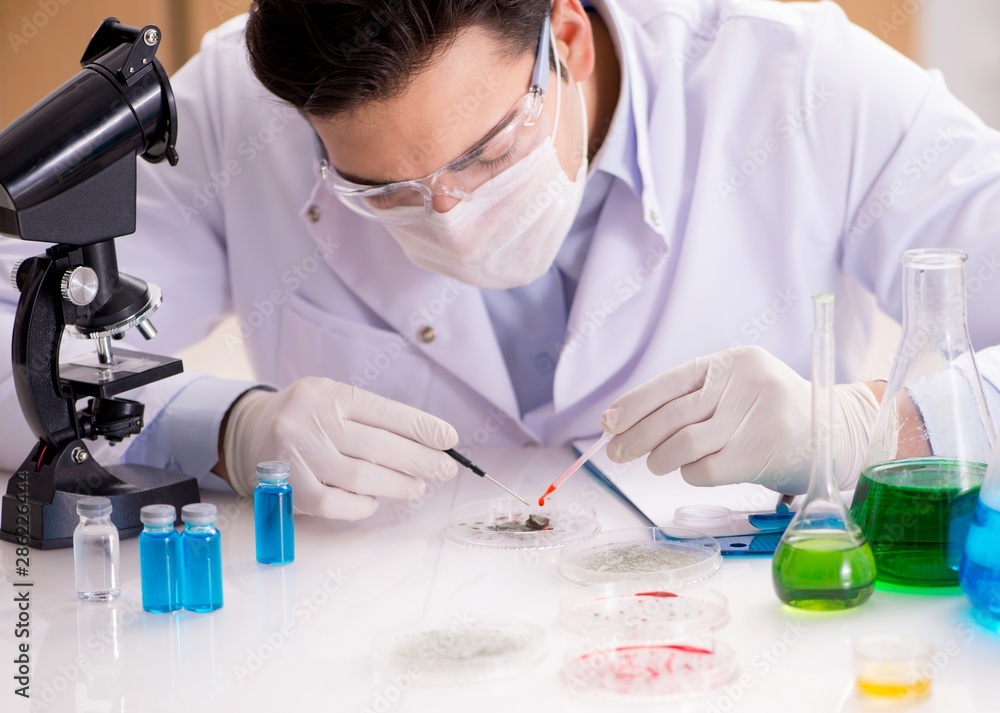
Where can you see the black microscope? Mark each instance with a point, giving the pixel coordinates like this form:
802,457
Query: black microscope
68,177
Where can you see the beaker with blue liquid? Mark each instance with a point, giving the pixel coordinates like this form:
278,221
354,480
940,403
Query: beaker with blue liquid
979,573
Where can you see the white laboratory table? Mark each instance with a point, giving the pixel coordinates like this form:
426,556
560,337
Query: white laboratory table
298,638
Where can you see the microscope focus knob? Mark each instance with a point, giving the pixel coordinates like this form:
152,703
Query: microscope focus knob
79,286
13,274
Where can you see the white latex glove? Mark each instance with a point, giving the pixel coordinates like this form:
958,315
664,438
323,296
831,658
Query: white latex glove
736,416
346,446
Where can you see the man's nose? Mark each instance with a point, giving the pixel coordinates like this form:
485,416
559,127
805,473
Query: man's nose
442,204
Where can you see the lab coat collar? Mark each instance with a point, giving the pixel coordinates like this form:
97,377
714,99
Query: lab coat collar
617,155
624,33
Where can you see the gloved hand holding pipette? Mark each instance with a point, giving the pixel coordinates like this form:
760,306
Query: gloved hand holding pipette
346,446
740,415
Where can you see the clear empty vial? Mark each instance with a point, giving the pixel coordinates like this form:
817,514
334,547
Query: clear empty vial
159,559
272,514
201,559
95,552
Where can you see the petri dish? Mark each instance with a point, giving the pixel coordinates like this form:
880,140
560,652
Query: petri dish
507,523
892,667
671,556
642,612
651,671
459,650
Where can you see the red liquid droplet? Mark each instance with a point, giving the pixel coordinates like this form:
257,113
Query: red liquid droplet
655,594
541,500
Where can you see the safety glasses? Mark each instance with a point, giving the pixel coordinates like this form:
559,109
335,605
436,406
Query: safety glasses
522,130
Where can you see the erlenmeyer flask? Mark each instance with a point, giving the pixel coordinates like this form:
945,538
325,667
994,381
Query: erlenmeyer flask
823,561
933,434
979,572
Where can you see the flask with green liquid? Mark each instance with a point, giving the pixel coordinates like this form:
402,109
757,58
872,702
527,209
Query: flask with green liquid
823,561
933,434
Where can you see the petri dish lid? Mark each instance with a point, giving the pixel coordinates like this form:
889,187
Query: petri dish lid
503,523
642,612
459,650
672,556
651,672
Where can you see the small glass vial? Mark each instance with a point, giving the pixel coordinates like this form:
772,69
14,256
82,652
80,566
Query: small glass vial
159,559
201,559
95,552
272,514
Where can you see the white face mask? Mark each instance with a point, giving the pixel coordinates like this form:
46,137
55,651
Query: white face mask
510,240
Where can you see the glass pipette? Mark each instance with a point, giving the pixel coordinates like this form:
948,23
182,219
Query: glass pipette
587,455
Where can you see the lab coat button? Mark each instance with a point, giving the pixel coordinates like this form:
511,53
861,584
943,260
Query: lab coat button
653,217
313,214
427,335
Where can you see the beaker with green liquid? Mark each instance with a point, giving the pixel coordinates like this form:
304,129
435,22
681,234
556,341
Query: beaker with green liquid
823,561
933,435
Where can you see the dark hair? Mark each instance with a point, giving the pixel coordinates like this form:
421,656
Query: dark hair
328,57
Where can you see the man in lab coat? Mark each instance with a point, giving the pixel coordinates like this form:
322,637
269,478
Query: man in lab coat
507,222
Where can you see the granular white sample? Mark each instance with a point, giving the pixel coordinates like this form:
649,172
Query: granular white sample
460,645
639,557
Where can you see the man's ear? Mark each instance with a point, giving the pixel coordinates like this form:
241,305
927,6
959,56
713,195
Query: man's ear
574,38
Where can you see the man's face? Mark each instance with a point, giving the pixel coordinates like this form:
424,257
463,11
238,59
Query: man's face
446,110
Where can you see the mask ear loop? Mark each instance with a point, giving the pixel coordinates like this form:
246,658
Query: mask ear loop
555,54
585,120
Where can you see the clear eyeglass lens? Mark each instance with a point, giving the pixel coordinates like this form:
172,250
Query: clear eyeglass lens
522,133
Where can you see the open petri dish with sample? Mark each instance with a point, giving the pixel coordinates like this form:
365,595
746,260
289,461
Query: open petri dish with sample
667,671
507,523
459,650
647,612
672,556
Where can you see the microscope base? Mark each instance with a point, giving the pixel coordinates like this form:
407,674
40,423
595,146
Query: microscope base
29,517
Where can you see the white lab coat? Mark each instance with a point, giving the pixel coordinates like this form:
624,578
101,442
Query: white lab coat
783,152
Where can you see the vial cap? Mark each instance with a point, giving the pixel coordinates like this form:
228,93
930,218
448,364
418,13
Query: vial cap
198,514
93,506
158,515
273,471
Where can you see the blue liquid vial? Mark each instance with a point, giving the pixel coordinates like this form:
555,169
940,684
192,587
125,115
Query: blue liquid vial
159,559
272,514
201,559
979,573
96,552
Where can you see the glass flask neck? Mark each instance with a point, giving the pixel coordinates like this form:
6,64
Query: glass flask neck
822,479
934,306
